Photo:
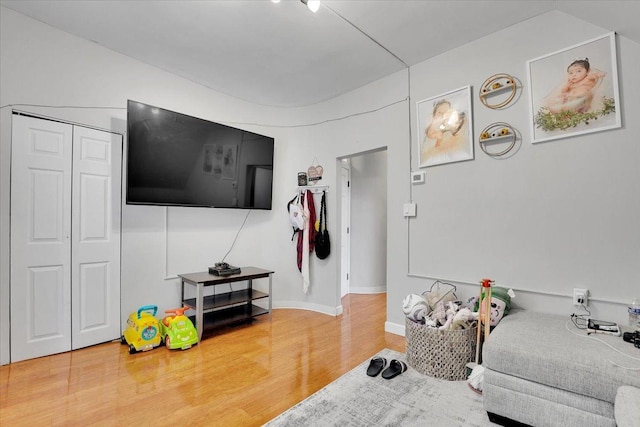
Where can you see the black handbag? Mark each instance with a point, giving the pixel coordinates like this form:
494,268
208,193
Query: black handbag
323,243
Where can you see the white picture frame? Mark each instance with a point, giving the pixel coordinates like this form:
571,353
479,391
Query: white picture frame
445,128
562,106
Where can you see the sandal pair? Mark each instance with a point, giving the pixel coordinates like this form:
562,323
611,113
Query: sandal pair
377,364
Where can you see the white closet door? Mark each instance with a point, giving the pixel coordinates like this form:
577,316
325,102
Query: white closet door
95,277
65,237
40,238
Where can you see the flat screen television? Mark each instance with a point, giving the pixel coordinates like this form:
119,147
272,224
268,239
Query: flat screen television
177,160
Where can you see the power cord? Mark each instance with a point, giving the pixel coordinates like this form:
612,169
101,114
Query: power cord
335,119
580,321
237,234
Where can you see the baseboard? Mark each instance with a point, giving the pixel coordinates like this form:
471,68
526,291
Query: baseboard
394,328
367,289
301,305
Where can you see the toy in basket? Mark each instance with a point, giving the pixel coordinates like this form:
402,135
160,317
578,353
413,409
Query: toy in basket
177,329
142,331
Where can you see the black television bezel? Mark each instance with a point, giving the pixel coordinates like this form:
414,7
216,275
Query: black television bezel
192,205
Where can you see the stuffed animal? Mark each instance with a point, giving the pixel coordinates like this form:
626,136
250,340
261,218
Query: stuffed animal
464,318
452,309
415,307
500,303
439,313
430,323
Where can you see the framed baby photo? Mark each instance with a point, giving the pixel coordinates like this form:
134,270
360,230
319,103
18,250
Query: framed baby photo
445,131
574,91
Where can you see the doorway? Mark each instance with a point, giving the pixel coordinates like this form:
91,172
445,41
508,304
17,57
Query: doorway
363,267
345,215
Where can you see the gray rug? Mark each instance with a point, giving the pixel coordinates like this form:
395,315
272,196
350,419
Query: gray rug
410,399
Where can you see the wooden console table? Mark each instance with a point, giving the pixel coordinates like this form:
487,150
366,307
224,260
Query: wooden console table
229,307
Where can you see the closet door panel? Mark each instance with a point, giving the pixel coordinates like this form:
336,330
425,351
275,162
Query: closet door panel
96,237
94,293
46,315
45,206
40,237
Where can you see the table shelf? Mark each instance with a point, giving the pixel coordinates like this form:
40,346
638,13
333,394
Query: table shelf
230,316
227,308
213,302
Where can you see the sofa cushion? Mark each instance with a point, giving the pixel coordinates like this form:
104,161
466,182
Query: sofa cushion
548,349
535,408
627,407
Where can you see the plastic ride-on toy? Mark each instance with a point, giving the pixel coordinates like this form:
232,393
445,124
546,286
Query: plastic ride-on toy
143,331
177,329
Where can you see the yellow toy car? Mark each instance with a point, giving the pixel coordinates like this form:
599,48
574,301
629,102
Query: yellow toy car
143,330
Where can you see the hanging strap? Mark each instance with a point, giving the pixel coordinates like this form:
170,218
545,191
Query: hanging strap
324,194
323,213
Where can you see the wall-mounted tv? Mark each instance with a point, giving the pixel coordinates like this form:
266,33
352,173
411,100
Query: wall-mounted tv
177,160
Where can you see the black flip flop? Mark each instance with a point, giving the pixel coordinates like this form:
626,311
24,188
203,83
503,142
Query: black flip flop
396,367
376,365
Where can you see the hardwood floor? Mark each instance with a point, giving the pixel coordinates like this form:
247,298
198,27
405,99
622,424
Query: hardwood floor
241,376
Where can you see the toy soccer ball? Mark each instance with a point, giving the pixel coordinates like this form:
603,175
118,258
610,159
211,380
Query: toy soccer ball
415,307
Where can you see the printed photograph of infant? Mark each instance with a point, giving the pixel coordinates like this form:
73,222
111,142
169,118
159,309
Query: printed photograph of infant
575,90
577,93
444,128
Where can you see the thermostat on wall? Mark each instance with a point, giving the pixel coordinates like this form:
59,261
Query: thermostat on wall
417,177
409,209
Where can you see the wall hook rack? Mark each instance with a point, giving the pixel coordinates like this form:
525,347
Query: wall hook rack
315,189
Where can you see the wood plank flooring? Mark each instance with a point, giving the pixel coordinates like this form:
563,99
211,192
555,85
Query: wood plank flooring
242,376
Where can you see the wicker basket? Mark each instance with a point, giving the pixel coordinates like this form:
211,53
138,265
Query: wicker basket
440,354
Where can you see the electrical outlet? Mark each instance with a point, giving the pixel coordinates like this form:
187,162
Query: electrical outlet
580,296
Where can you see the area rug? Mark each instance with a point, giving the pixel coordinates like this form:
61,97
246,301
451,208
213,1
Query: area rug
410,399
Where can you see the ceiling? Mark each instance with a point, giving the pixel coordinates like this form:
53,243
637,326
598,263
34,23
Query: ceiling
282,54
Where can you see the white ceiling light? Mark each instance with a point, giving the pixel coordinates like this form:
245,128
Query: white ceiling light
313,5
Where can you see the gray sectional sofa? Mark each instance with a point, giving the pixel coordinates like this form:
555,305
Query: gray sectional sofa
541,370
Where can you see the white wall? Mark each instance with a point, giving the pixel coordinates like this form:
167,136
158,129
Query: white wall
578,197
369,223
41,65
